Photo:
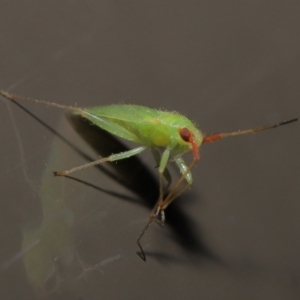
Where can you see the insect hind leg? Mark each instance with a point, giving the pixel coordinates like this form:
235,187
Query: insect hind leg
112,157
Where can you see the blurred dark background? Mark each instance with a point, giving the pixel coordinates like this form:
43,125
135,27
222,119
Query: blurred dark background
227,65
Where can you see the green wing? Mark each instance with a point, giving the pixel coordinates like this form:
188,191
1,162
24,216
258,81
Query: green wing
127,113
107,117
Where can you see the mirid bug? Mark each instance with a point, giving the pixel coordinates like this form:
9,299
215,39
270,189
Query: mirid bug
154,129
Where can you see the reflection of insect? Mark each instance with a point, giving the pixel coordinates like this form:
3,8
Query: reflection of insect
153,129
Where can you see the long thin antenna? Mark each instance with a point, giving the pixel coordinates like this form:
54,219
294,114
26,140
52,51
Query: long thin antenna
218,136
13,97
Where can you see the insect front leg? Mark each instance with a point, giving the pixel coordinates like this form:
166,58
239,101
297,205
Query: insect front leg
183,170
186,175
112,157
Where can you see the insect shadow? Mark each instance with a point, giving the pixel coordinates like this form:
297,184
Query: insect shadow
139,179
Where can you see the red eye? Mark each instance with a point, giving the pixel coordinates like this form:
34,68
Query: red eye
185,134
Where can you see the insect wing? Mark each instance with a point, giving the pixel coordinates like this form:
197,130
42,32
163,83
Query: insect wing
107,119
127,113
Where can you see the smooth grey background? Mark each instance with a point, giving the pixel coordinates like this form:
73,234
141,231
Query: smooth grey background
227,65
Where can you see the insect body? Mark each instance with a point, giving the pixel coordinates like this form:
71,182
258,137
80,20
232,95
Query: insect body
153,129
147,126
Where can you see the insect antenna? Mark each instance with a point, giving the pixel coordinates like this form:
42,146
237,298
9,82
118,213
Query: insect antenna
14,97
218,136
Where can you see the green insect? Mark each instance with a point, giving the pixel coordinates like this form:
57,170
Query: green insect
151,128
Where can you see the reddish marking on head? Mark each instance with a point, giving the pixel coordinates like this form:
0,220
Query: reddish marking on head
187,136
212,138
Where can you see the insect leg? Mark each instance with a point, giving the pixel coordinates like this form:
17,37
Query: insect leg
175,192
153,216
183,169
161,169
143,255
112,157
157,210
187,176
166,173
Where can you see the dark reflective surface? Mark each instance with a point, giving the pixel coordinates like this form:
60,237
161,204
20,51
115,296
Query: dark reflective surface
227,66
